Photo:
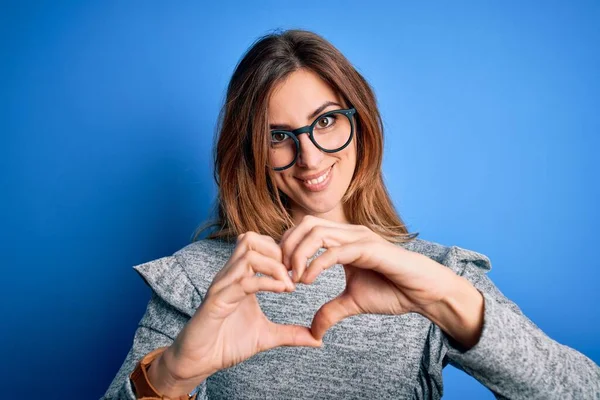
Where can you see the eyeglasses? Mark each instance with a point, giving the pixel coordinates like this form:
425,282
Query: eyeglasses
332,136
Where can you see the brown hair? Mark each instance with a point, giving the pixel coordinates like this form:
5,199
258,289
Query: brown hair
248,199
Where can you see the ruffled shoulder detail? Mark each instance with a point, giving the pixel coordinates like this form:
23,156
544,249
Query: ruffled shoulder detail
453,257
203,259
168,279
183,278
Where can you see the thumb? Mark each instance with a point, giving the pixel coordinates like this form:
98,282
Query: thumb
291,335
331,313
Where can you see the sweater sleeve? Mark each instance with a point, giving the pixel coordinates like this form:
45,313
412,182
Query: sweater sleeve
514,358
168,311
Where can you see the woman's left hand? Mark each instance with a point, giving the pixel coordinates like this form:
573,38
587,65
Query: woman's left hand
381,277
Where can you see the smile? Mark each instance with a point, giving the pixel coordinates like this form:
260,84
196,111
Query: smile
318,183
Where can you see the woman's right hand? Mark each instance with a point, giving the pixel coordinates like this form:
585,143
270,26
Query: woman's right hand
229,326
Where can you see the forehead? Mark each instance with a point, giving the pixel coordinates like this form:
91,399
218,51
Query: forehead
299,94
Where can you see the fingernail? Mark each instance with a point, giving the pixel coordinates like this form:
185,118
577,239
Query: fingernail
291,285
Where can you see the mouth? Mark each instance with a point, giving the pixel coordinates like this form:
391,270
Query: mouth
318,183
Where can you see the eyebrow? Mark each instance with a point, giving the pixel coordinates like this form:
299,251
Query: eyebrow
311,116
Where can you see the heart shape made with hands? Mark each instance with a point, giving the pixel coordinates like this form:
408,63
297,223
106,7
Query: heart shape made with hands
381,277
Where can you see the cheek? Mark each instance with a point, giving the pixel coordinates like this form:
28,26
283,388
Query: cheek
283,181
353,154
349,156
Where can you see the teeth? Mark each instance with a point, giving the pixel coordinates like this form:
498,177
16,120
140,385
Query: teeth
319,179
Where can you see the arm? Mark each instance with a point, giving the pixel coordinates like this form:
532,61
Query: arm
158,327
511,355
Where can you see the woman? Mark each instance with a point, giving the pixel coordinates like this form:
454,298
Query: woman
370,310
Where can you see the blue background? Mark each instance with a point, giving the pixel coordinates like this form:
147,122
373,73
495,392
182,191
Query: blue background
107,117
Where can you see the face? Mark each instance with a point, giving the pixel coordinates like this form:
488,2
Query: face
291,104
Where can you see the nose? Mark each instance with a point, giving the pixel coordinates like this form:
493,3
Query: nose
310,155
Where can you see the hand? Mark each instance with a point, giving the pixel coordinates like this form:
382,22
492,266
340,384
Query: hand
381,277
229,327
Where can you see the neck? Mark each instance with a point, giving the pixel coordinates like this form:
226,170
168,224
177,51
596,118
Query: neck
335,215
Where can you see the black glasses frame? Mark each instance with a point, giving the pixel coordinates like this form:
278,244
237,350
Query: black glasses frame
309,129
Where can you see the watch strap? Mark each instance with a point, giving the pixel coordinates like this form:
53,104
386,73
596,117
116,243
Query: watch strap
142,386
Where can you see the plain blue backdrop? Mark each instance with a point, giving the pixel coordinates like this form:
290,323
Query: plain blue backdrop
108,110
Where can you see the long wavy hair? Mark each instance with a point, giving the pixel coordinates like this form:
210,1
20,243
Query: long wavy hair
247,198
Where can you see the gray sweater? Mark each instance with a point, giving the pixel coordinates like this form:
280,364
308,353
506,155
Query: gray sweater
365,356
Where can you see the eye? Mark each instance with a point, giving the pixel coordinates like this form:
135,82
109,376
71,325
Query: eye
326,122
278,137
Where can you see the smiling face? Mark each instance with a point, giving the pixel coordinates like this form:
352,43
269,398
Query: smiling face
316,183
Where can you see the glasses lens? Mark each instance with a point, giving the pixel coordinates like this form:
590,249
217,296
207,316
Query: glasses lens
282,149
332,131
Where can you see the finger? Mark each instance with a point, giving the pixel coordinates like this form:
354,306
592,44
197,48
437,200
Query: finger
331,313
246,242
293,235
290,335
236,292
287,233
351,253
319,236
249,264
260,263
240,248
261,243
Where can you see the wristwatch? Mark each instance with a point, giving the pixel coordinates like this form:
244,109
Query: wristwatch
143,388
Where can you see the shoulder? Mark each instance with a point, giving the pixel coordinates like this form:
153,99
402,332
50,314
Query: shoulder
183,278
205,252
454,257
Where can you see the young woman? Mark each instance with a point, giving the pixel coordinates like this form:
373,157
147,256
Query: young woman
370,311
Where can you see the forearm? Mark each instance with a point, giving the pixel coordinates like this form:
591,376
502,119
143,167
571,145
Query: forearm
515,359
460,312
512,356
